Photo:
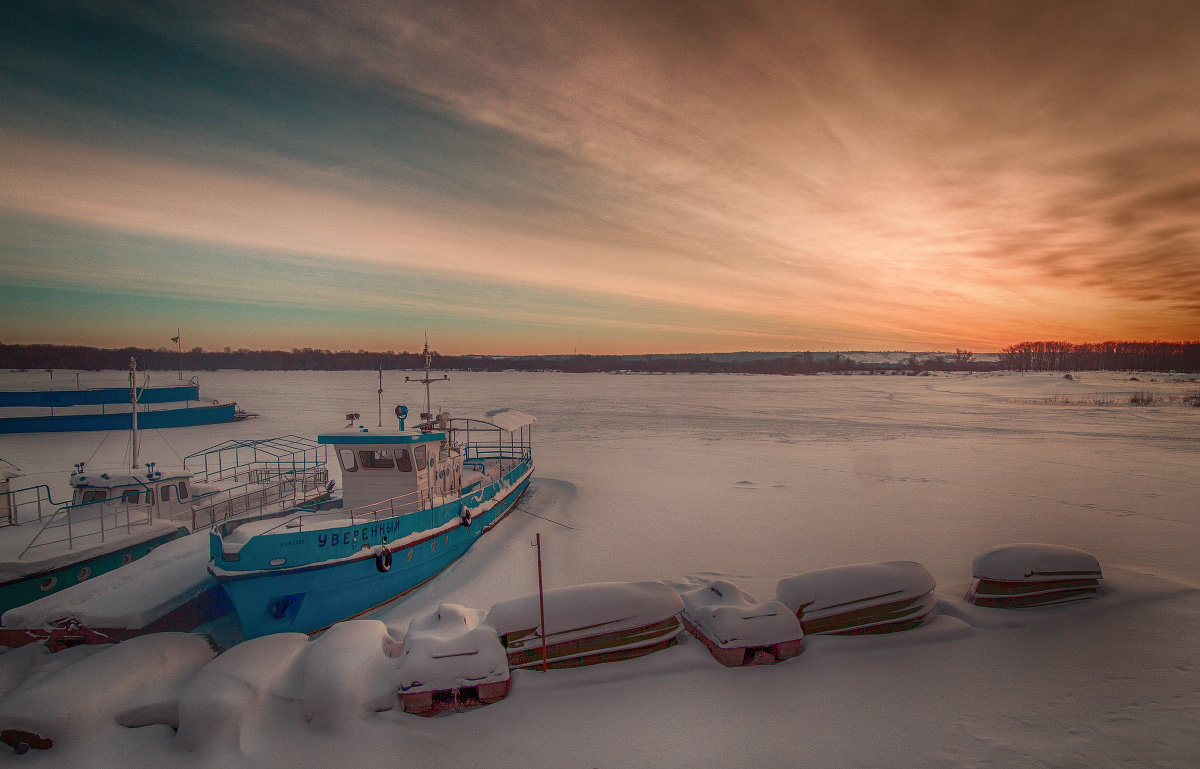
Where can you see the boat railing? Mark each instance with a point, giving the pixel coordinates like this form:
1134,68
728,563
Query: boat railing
89,524
261,495
382,510
256,460
27,505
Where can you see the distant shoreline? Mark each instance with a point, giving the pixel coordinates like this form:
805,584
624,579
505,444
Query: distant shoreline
1026,356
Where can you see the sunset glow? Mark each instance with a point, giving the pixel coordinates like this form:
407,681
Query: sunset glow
606,178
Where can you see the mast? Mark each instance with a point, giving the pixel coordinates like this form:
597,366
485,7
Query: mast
133,401
427,416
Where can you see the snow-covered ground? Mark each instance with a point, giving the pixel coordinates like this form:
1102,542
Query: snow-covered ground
692,478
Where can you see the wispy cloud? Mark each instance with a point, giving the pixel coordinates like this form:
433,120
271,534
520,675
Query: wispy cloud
852,174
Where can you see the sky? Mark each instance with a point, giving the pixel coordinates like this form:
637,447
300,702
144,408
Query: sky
599,177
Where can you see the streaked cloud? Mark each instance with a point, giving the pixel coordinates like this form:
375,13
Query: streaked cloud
783,175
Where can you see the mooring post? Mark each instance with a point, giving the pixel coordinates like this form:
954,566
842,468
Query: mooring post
541,601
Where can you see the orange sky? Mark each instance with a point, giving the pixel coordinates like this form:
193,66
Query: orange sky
620,177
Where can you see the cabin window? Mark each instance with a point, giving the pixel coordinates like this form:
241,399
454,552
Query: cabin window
346,457
419,452
130,497
183,490
404,461
93,495
164,492
376,460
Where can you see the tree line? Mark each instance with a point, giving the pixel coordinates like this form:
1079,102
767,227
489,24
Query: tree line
1102,356
1025,356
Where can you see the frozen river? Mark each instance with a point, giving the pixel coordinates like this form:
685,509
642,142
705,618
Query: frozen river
682,478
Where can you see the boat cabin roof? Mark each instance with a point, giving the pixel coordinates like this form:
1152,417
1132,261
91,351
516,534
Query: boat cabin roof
379,435
110,479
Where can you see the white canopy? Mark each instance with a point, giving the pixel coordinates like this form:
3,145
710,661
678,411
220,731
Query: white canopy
509,419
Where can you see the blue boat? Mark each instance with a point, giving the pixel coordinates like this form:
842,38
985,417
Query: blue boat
108,399
413,501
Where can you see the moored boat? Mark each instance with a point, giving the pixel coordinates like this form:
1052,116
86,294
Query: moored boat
413,501
1032,574
587,624
860,598
116,516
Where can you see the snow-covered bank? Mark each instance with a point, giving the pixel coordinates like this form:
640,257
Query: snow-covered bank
688,479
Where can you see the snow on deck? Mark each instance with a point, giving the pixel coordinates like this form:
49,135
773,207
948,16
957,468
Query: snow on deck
131,596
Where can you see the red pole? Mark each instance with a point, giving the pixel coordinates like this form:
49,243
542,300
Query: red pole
541,601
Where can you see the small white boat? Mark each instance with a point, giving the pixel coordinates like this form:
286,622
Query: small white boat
737,629
860,598
588,624
1033,574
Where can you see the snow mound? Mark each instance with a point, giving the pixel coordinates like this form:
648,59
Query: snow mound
730,617
1035,562
225,701
85,689
347,671
451,648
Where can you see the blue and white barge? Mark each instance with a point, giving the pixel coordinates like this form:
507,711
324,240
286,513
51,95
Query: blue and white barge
413,501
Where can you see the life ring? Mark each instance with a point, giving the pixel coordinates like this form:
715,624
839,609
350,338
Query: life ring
465,517
383,561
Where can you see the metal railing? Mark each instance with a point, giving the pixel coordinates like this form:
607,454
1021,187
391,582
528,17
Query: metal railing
89,524
95,522
284,490
403,504
26,505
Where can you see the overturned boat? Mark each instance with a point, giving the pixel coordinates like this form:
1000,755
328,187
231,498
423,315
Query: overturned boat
860,598
587,624
1033,574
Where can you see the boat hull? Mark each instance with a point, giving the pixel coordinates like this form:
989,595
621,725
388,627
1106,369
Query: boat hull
310,598
154,419
29,588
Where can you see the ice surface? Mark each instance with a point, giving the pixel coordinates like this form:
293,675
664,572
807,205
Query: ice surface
692,479
730,617
451,648
1034,562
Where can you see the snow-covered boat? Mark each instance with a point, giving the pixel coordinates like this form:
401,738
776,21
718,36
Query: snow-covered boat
118,516
413,501
1033,574
587,624
860,598
451,660
739,630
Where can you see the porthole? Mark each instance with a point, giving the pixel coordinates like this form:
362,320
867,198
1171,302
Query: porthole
84,573
126,559
49,584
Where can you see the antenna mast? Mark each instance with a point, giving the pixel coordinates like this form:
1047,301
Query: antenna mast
427,416
133,400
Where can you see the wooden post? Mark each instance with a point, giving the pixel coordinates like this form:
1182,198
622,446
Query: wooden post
541,601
